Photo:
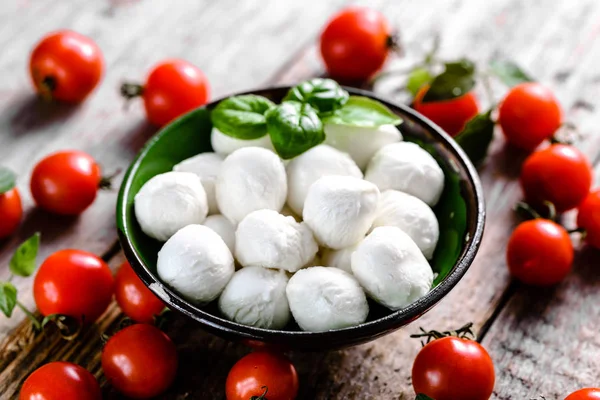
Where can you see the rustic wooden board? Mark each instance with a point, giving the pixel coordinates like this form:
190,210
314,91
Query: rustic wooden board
556,42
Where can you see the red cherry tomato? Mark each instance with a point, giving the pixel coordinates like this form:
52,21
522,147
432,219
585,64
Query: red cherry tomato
74,283
529,114
559,174
355,43
140,361
66,66
172,88
453,368
585,394
539,252
134,298
588,218
65,182
451,115
60,381
11,212
260,371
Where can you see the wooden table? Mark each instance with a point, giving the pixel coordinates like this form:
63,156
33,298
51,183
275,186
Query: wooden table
543,342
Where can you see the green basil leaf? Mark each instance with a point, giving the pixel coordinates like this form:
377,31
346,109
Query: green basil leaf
7,180
457,80
22,262
8,298
417,79
325,95
294,128
363,111
422,396
509,72
476,136
242,117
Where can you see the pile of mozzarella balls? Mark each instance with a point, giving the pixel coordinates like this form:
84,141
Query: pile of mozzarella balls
309,238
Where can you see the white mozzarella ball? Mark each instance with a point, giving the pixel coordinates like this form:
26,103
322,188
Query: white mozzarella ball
196,263
268,239
250,179
323,299
225,145
255,296
169,202
408,168
391,268
360,142
340,209
413,216
224,228
339,258
305,169
206,166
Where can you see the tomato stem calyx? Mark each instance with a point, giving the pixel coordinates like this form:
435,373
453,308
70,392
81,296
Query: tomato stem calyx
529,212
131,90
262,396
106,181
393,43
464,332
68,327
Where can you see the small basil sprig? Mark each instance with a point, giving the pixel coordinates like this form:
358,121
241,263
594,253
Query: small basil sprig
363,111
457,80
324,95
476,136
294,127
7,180
509,72
418,78
242,117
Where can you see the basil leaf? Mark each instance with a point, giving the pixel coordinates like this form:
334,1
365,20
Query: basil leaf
8,298
7,180
422,396
476,136
457,80
294,128
242,117
362,111
417,79
325,95
22,262
509,72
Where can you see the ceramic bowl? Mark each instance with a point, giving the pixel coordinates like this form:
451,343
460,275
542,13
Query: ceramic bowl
460,211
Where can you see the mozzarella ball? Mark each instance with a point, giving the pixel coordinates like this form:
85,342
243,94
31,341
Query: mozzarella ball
305,169
340,210
323,299
408,168
196,263
361,143
250,179
411,215
268,239
169,202
225,145
391,268
224,228
339,258
255,296
206,166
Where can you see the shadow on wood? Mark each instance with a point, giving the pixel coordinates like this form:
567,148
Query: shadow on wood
33,113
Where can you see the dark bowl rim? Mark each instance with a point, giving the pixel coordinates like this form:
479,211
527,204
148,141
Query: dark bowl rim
357,333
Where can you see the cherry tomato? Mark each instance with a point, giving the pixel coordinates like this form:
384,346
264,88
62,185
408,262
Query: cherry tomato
260,371
134,298
355,43
65,182
74,283
60,381
559,174
66,66
172,88
529,114
585,394
11,212
140,361
453,368
451,115
588,218
539,252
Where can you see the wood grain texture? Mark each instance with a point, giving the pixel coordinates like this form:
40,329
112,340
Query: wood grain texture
556,41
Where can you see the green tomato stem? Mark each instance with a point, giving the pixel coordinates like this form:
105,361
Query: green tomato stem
34,320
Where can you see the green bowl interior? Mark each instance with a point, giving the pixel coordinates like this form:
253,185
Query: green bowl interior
190,135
